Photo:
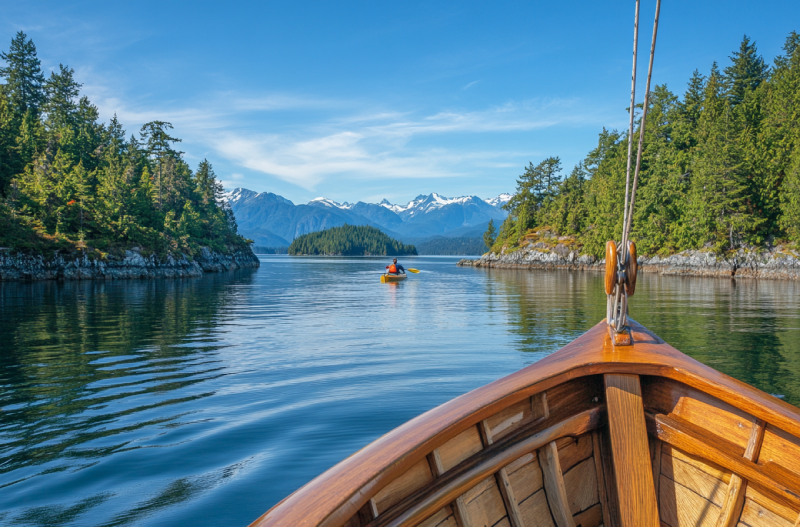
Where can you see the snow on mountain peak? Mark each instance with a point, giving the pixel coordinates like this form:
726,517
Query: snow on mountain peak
325,202
500,200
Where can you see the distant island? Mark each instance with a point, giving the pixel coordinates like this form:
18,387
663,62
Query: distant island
349,240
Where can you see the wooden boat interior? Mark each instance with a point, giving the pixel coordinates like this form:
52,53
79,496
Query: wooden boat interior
592,435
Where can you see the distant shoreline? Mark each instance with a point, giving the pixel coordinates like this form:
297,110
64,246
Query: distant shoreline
777,264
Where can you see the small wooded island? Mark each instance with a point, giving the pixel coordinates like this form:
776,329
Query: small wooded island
349,240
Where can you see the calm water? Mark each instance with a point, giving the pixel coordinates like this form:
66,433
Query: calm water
206,401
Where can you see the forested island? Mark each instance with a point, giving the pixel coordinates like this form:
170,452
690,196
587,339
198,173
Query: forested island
70,184
349,240
720,170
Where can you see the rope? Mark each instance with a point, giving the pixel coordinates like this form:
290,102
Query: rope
617,309
629,214
633,104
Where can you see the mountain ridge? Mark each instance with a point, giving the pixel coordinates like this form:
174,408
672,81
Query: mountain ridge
270,219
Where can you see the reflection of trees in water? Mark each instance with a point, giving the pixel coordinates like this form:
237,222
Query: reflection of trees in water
748,329
548,309
78,358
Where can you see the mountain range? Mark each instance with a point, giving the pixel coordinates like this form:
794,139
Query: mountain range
271,220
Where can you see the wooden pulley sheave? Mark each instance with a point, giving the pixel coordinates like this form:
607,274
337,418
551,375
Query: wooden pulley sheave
621,264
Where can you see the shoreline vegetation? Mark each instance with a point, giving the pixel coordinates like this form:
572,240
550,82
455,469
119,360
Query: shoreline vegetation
75,193
720,179
349,240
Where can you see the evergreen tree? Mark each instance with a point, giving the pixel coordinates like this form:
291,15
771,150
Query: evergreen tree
62,94
23,74
490,235
747,71
159,147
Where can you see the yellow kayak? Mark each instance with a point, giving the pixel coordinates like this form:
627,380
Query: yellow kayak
389,278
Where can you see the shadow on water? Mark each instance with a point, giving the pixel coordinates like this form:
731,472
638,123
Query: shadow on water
94,369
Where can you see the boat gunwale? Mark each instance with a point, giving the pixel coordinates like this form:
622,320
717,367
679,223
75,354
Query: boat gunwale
333,497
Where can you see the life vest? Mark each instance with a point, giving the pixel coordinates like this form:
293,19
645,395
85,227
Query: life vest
393,269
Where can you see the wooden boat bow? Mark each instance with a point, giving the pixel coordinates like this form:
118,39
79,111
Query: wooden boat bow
659,438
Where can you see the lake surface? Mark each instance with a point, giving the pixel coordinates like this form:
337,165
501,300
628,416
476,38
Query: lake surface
206,401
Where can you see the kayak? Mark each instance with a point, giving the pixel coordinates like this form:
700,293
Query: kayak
390,278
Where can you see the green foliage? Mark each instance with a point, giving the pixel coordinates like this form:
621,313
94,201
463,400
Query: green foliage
349,240
69,182
490,235
720,168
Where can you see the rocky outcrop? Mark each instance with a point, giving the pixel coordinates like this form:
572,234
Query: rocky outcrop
776,263
132,265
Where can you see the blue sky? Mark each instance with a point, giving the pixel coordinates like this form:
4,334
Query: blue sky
373,99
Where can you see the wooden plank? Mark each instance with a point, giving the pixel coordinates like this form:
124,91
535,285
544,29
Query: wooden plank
462,446
787,513
506,491
781,448
656,465
484,503
734,497
554,485
539,407
755,515
414,479
509,419
631,457
525,478
453,483
535,511
608,475
680,507
601,480
696,480
575,451
591,517
581,485
705,465
779,483
461,514
443,518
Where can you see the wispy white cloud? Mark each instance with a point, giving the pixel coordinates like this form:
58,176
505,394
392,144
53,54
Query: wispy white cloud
348,142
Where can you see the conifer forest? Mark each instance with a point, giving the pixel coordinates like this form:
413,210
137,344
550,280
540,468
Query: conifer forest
69,182
720,168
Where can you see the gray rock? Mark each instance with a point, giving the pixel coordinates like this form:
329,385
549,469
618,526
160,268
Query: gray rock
133,265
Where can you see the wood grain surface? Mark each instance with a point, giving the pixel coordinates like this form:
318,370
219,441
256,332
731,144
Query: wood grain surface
630,451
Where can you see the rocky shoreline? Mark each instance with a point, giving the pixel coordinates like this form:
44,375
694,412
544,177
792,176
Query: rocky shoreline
779,263
24,267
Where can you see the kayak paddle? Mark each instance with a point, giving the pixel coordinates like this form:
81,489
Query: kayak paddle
415,271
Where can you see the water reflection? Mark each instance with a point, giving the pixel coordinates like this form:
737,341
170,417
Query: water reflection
205,402
95,369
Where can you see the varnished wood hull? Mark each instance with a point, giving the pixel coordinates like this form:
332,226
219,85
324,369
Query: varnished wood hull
592,435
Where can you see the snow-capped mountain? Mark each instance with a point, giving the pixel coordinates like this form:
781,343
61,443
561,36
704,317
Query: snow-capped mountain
423,203
268,218
325,202
500,200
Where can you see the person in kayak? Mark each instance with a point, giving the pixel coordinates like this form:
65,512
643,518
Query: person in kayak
395,268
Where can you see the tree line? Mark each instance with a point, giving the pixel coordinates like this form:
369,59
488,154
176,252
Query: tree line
68,181
720,168
349,240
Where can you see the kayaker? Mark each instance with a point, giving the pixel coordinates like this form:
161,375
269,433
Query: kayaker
395,268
